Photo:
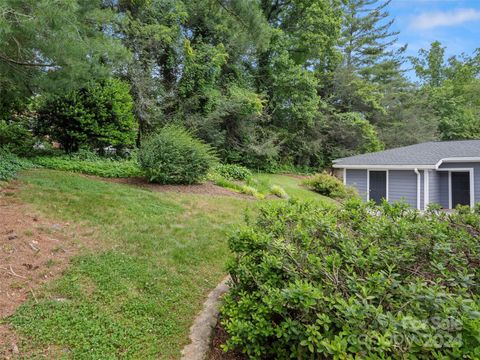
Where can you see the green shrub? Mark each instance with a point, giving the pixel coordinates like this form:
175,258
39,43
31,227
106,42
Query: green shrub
221,181
95,165
250,190
95,117
233,172
278,191
235,186
174,156
329,185
10,164
15,137
355,282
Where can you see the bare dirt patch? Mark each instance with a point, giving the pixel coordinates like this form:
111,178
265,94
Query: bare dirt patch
206,188
32,252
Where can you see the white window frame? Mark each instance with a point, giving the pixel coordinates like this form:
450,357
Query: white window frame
387,182
426,188
472,185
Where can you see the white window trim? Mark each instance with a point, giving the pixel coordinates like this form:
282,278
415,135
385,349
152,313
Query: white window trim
344,176
386,182
419,185
472,185
426,188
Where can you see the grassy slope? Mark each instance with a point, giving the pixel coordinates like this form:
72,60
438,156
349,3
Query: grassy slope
290,184
136,298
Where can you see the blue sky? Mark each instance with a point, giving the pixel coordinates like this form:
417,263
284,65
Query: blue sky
455,23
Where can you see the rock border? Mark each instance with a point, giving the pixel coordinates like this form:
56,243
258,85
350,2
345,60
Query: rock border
202,329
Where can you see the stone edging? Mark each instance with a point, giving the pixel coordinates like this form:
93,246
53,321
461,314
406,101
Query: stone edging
202,328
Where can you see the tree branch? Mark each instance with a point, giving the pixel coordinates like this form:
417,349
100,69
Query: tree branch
22,63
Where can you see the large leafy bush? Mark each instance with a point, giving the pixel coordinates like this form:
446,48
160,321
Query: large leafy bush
174,156
357,282
97,116
10,164
328,185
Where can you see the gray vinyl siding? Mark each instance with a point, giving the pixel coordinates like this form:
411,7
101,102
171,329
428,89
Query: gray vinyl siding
434,187
476,176
443,183
402,185
357,179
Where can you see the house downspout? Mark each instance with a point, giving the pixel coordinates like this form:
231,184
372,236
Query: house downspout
419,184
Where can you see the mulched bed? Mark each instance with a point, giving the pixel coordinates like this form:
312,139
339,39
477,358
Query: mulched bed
219,337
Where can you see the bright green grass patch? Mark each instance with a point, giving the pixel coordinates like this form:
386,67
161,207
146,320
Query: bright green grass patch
137,297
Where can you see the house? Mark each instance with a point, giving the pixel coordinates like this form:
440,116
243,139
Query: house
442,172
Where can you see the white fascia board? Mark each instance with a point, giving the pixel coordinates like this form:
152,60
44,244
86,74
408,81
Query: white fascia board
384,167
457,159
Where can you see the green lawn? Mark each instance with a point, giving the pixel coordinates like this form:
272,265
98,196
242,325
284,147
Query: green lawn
292,185
136,295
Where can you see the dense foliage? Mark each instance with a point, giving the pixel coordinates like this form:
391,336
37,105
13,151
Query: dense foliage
359,281
10,164
96,117
175,156
262,90
329,185
16,137
53,47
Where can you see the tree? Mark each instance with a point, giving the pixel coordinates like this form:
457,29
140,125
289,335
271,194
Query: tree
347,134
52,46
97,116
430,64
367,42
453,89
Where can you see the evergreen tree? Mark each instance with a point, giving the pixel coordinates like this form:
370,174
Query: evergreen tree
53,46
368,45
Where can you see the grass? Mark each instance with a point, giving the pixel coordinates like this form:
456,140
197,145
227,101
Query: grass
156,257
292,186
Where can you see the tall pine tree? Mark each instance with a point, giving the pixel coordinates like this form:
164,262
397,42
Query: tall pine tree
368,44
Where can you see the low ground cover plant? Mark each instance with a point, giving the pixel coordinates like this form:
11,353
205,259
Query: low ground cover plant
10,164
356,281
91,165
175,156
329,185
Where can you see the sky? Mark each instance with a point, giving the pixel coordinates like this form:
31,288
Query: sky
455,23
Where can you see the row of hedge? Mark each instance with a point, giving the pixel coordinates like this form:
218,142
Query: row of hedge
355,282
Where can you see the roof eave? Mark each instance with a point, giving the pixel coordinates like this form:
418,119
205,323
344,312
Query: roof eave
389,167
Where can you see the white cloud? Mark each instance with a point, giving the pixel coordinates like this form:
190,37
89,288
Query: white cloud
444,18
